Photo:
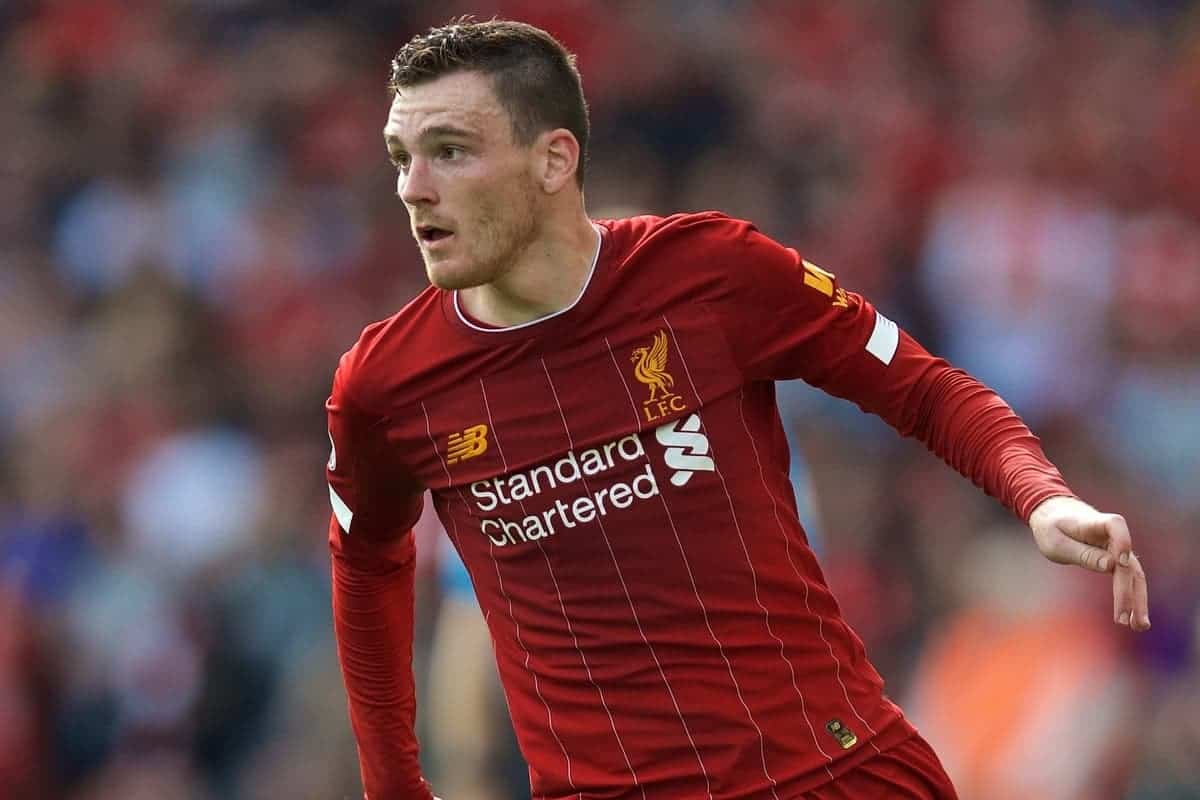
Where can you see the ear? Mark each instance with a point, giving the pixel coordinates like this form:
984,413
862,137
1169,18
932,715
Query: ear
559,158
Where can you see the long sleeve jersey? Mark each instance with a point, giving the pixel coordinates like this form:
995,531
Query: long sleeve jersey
615,478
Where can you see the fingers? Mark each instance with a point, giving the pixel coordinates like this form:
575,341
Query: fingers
1091,530
1131,605
1103,530
1119,542
1130,600
1099,543
1070,551
1108,534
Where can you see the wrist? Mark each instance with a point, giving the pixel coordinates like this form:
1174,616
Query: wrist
1055,506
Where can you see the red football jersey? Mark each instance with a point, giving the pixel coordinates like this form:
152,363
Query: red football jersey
615,477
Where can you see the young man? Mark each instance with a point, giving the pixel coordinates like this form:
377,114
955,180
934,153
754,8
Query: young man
591,404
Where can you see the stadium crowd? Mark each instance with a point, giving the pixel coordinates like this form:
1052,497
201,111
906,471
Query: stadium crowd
198,217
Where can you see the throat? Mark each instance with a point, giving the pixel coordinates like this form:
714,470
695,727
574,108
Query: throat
532,292
493,308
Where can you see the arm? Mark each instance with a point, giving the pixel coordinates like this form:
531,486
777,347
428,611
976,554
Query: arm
976,432
786,318
373,623
375,504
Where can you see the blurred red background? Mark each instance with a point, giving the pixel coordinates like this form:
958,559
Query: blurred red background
198,216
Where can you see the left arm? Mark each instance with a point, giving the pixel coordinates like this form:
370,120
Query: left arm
786,318
971,428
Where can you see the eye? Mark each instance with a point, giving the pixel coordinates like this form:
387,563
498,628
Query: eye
400,161
450,152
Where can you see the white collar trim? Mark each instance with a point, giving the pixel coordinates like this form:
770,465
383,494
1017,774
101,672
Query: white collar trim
591,272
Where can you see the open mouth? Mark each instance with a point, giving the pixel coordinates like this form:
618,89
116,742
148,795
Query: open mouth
430,234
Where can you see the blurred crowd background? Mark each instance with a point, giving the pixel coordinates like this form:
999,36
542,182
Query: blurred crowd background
197,217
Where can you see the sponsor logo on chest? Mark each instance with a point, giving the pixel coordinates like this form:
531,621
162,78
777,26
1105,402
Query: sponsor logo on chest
585,485
507,502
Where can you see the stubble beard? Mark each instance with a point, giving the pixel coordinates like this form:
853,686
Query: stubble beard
513,237
502,234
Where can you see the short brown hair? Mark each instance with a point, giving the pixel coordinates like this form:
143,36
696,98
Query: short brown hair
533,75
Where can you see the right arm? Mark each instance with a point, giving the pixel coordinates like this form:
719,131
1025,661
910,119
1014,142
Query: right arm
375,505
373,623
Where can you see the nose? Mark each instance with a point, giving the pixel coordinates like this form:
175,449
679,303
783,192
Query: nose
415,186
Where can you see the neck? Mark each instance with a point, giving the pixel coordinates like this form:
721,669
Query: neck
548,276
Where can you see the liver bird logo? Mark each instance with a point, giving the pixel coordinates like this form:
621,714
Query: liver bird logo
651,367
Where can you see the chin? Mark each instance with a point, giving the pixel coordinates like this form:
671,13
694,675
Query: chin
446,277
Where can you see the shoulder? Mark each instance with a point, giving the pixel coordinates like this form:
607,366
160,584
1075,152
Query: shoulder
693,252
702,255
695,231
386,351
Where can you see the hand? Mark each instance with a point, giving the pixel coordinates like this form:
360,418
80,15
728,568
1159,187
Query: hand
1069,531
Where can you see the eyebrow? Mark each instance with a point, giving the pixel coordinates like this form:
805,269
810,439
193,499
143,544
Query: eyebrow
434,131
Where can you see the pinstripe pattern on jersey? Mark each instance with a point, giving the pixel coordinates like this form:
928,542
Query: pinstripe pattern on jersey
512,616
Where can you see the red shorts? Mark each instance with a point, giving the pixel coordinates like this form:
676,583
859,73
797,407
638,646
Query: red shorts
908,771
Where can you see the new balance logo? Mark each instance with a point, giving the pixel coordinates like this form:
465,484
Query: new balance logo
468,444
687,448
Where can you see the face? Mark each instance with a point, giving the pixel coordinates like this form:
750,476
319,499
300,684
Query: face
468,186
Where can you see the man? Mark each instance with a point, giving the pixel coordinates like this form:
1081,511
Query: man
591,404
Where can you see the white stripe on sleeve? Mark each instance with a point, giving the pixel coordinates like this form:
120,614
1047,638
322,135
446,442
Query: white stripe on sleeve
340,510
884,339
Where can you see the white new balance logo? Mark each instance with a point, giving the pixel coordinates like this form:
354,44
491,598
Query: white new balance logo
687,448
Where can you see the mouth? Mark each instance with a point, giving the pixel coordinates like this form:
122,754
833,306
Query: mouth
432,234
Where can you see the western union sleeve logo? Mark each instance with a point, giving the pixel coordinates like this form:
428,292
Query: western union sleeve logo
822,281
468,444
650,368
